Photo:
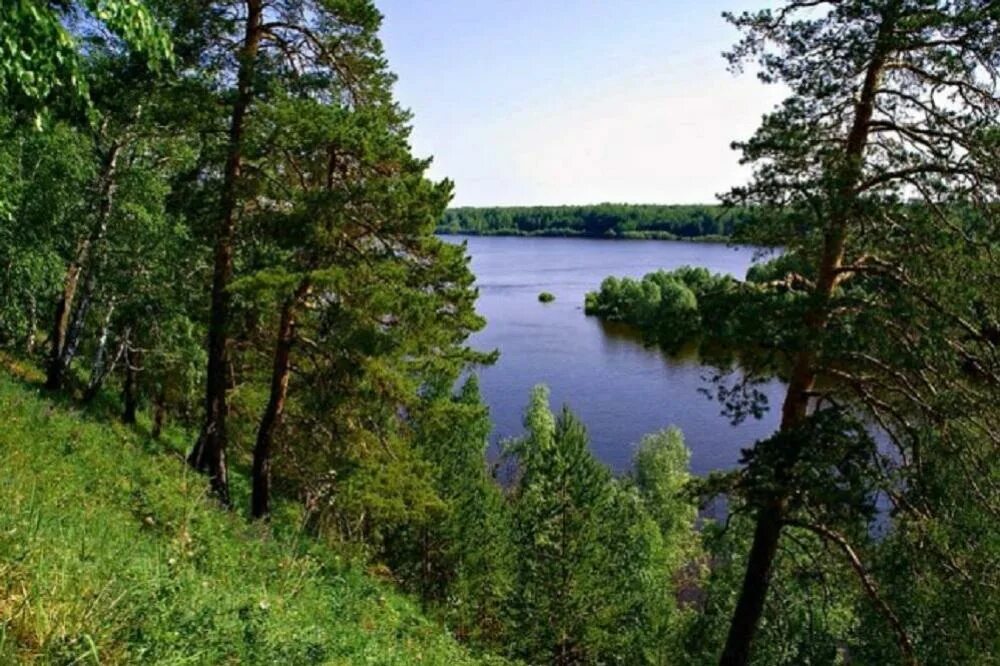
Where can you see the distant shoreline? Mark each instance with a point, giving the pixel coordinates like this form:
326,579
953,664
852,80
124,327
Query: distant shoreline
569,233
607,221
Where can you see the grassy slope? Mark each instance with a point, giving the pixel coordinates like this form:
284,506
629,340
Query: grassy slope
111,554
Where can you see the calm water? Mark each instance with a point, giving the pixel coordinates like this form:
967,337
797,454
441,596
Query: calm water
620,388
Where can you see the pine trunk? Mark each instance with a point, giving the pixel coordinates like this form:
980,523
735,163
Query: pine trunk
209,452
771,517
260,500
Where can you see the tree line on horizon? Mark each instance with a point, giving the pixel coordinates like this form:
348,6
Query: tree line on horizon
606,220
213,222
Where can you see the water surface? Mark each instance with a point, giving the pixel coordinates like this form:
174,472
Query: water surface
619,387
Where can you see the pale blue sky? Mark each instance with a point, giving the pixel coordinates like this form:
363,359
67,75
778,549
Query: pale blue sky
574,101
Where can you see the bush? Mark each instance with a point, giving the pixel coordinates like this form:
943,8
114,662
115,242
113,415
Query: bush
666,306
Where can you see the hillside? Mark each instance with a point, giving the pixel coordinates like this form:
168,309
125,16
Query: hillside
111,554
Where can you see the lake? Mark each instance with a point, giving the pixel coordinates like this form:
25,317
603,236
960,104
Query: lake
620,388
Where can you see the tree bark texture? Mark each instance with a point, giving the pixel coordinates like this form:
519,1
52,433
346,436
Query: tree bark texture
99,367
130,389
263,450
209,452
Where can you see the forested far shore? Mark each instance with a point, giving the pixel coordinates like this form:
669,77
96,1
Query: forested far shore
704,222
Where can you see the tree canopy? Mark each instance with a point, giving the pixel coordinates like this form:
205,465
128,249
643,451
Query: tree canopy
40,63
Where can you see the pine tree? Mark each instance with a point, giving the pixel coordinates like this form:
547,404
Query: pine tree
471,576
354,245
281,43
885,192
593,581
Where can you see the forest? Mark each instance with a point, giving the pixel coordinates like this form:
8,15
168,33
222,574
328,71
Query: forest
240,420
666,222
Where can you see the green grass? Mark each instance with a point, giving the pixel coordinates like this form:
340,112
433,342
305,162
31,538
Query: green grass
110,553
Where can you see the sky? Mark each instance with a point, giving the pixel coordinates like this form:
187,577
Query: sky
550,102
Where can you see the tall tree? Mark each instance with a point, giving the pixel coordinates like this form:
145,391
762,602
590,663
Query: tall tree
209,452
890,128
591,583
356,230
128,145
279,43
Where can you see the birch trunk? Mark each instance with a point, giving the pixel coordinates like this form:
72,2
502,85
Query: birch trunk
64,308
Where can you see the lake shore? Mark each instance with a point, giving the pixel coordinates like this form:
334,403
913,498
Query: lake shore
571,233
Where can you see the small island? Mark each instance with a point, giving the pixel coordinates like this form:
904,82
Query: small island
546,297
